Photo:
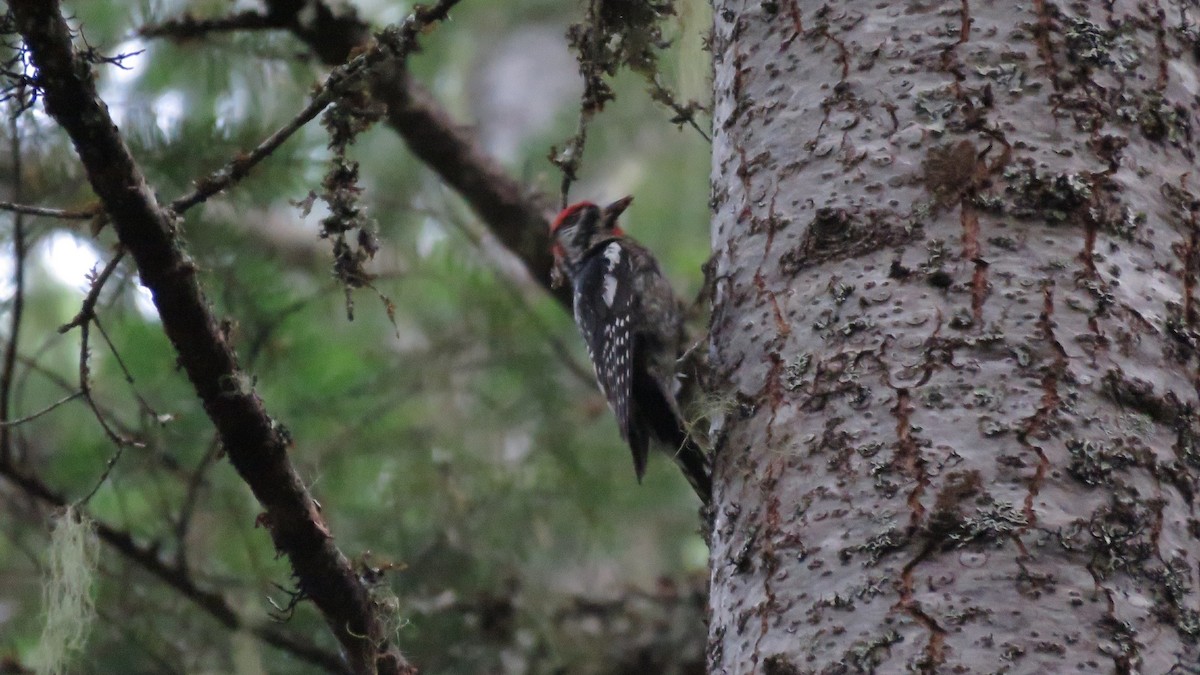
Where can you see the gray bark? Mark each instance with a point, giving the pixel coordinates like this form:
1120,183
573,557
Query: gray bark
956,247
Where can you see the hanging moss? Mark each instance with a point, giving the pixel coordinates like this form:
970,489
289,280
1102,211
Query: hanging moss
67,592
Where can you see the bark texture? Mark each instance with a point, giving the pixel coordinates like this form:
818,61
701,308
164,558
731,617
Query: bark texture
956,247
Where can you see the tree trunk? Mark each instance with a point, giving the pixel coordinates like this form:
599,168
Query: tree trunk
956,247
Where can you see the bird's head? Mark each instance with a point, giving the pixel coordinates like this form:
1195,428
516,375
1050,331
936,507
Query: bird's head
580,227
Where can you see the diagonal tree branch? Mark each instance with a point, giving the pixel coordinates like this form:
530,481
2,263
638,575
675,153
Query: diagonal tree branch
515,216
256,444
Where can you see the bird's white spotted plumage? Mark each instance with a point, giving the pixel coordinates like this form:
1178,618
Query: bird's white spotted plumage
612,254
610,289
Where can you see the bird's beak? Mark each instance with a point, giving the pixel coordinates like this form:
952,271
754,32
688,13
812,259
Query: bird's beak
616,208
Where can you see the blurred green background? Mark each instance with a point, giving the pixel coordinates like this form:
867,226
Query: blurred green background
467,444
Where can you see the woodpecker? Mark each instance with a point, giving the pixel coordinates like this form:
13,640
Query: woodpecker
632,324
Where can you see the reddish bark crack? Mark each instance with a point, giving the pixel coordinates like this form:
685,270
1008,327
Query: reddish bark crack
772,224
971,251
964,28
1045,48
797,24
773,391
1190,257
770,560
738,76
1088,254
843,58
1049,403
1088,257
908,455
1158,504
935,652
743,172
1190,260
782,327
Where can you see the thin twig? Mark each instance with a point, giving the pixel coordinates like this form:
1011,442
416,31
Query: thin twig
86,390
284,614
43,411
683,113
112,348
572,157
33,366
195,481
84,319
29,210
18,303
239,167
87,311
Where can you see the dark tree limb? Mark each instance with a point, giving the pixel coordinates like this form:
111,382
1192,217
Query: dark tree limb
256,444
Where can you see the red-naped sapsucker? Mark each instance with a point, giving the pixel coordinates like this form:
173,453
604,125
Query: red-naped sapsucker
632,324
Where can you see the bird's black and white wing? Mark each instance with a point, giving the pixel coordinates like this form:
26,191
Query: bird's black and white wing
605,313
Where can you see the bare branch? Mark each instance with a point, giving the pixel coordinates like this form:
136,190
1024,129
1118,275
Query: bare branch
685,113
84,319
85,387
112,348
43,411
46,212
33,366
239,167
88,310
